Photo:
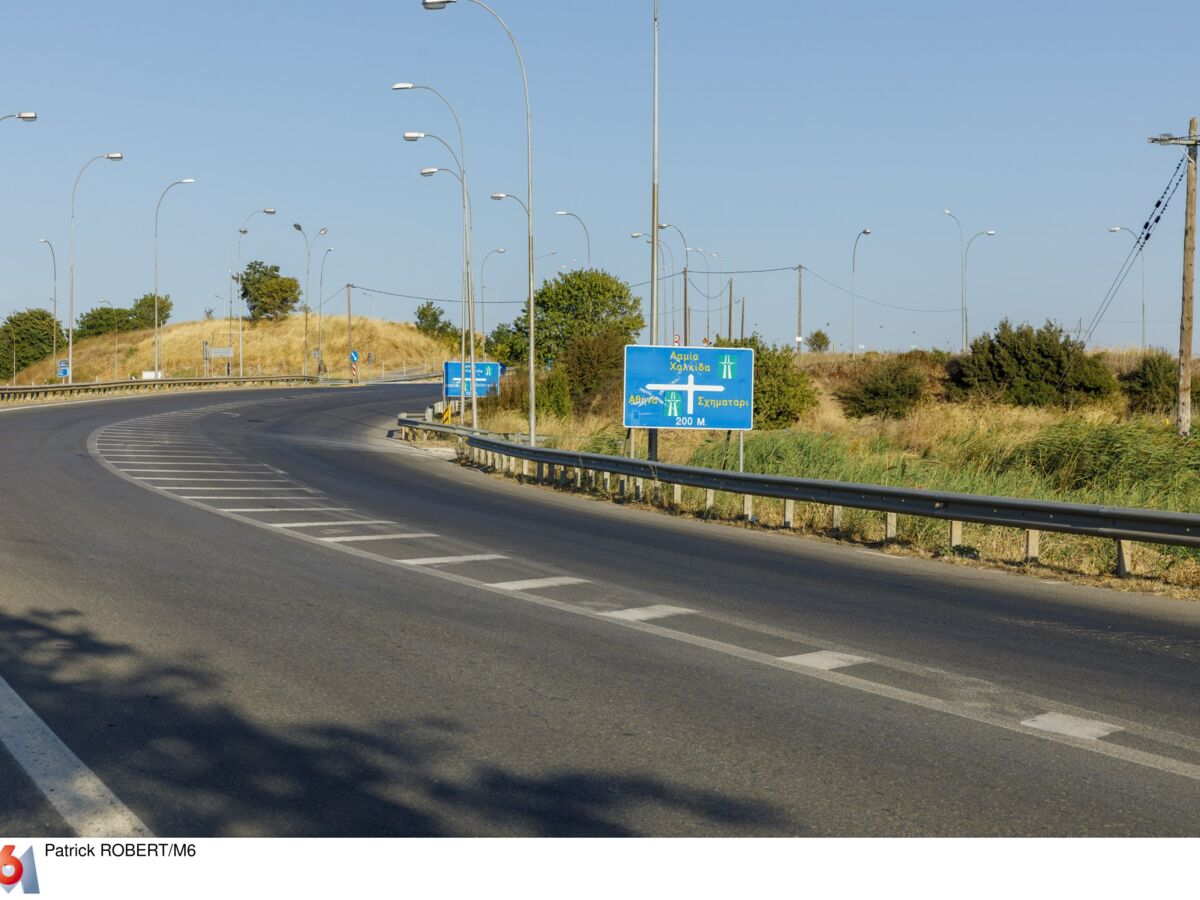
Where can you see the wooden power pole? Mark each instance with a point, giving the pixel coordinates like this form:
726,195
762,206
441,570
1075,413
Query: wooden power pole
729,333
799,309
1183,416
742,334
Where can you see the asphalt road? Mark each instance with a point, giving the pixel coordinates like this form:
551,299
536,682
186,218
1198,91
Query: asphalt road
247,613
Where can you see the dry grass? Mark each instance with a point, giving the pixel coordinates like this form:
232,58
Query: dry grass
268,348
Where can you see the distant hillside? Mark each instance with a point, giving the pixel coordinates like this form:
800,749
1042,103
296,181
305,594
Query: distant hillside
268,349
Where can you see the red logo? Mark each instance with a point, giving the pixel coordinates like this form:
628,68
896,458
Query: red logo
16,870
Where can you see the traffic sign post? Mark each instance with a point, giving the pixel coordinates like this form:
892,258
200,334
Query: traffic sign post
354,365
63,368
689,387
487,379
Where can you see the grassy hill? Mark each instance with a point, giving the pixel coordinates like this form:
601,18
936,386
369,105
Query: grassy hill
268,348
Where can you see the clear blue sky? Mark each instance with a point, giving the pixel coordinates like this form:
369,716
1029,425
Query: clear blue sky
786,128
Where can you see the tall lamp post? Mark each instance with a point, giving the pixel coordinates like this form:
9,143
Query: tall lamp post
991,232
112,157
1113,229
54,330
586,235
442,4
236,275
157,370
307,284
321,306
483,296
853,269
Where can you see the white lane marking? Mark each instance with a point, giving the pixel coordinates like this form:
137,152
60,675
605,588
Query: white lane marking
255,480
826,660
646,613
245,497
450,560
350,539
82,799
267,509
1072,726
534,583
329,524
207,471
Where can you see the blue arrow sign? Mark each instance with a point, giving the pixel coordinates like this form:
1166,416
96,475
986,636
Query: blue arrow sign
63,370
353,356
689,387
487,379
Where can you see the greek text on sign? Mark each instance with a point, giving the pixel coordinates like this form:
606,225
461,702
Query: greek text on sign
689,387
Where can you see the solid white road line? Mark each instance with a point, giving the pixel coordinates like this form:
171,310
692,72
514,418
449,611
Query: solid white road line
1072,726
267,509
826,660
254,480
330,524
450,560
646,613
350,539
82,799
246,497
534,583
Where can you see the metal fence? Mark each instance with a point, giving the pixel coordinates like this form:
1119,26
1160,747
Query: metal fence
1120,524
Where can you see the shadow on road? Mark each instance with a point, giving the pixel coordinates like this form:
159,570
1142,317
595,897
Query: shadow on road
198,767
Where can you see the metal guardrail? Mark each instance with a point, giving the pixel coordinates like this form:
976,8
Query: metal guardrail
45,391
1121,524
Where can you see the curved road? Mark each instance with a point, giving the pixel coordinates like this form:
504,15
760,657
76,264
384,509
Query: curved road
249,613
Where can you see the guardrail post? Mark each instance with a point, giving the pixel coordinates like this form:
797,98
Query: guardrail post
539,473
956,537
1124,559
889,527
638,489
677,494
835,518
1032,539
710,497
578,478
608,482
789,513
748,507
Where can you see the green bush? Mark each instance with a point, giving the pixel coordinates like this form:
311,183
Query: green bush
553,394
818,341
782,392
594,365
890,388
29,335
1153,386
1025,367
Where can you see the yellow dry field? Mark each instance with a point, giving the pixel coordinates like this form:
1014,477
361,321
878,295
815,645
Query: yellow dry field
268,348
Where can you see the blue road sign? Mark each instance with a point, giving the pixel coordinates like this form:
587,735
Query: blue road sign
689,387
353,356
63,370
487,379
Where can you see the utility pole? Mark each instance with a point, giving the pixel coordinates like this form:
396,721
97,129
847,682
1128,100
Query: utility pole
1183,417
349,328
743,331
686,331
799,309
729,333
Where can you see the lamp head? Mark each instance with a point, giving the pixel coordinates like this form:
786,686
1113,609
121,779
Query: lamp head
402,86
947,212
436,4
430,171
562,212
187,181
243,230
27,116
1114,228
637,234
499,196
115,157
43,241
990,232
866,231
413,135
322,232
501,250
296,225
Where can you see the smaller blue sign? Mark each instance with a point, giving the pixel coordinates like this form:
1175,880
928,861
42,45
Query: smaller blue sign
353,356
63,369
487,379
689,387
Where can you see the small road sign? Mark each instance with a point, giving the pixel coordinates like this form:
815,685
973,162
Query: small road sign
353,356
63,369
487,379
220,352
689,387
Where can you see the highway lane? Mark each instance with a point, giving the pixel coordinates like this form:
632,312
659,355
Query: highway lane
225,675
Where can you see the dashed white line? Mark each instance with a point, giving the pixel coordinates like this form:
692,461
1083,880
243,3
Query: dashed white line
534,583
350,539
330,524
255,480
826,660
82,799
267,509
1072,726
450,560
646,613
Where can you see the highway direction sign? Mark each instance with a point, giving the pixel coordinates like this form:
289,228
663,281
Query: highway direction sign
487,379
63,370
220,352
689,387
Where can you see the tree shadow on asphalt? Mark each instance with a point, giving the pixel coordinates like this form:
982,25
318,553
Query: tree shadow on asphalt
201,767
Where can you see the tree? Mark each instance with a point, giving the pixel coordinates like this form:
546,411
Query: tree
782,392
508,345
594,365
818,342
432,321
889,388
584,301
267,294
103,320
141,314
31,333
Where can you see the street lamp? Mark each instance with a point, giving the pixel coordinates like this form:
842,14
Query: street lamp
1142,253
483,295
442,4
116,334
21,117
991,232
54,329
236,275
853,268
157,370
112,157
563,212
307,284
320,306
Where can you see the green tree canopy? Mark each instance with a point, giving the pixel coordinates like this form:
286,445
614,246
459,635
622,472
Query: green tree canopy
31,333
103,320
432,321
141,314
267,294
782,391
818,341
584,301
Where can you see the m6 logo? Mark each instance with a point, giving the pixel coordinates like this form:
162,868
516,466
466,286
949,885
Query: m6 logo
16,870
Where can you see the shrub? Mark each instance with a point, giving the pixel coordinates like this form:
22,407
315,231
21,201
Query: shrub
1025,367
890,388
1153,385
818,341
554,394
594,365
782,392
